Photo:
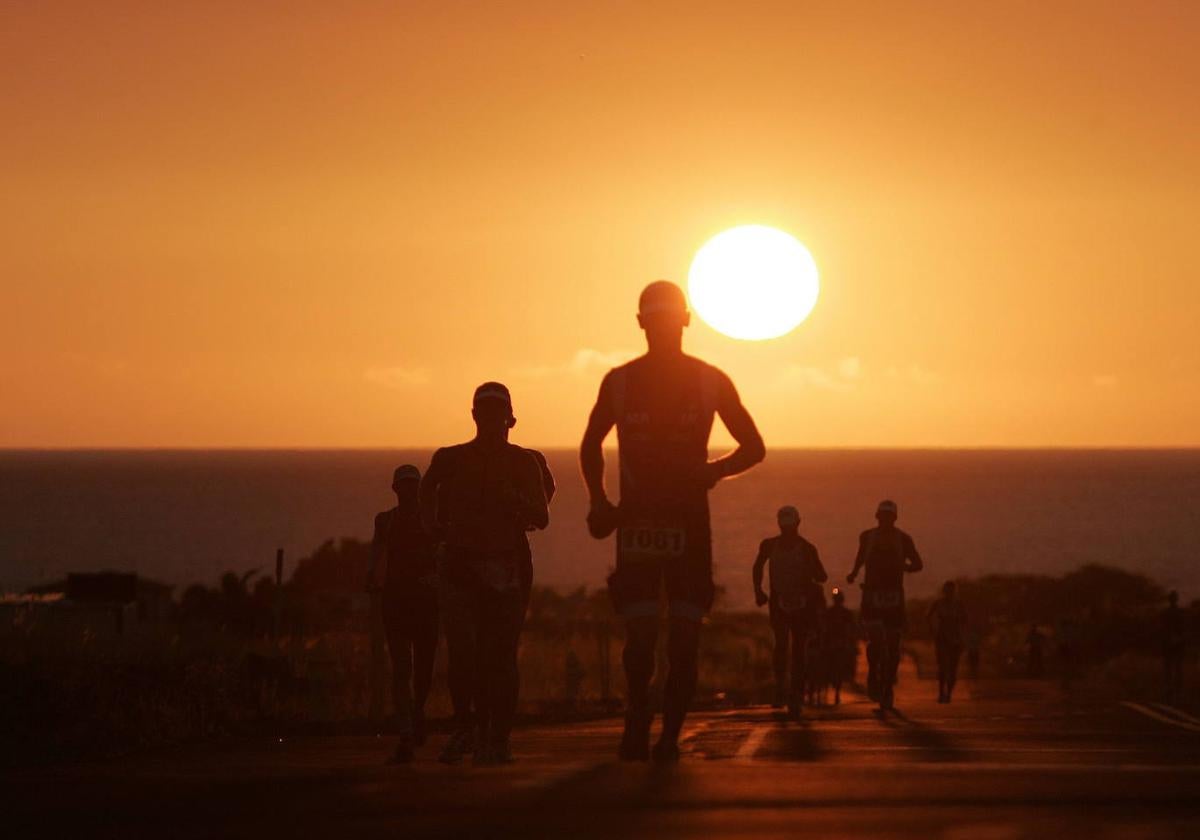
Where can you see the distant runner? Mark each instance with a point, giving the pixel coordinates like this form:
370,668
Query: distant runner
794,569
409,605
1173,642
948,620
887,553
663,405
480,497
841,643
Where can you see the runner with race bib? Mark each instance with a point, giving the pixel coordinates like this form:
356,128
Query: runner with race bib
888,554
662,405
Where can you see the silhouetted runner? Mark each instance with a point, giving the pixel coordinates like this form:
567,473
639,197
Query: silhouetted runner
663,405
480,497
887,553
794,568
841,643
408,602
1173,643
948,621
526,579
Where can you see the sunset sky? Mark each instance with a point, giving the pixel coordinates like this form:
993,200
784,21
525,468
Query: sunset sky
322,224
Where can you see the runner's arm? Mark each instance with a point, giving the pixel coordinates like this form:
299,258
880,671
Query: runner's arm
548,484
819,574
532,496
759,562
750,449
591,450
912,560
377,539
859,559
427,496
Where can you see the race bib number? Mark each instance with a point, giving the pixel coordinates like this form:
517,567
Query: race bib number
652,541
884,598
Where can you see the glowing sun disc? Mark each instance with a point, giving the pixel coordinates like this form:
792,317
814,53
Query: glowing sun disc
753,282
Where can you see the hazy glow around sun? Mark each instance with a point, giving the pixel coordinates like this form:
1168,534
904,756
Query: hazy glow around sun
753,282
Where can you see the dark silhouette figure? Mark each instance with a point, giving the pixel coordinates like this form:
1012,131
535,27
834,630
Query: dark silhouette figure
948,621
408,602
480,497
841,643
525,574
1036,663
795,568
887,553
1173,644
663,405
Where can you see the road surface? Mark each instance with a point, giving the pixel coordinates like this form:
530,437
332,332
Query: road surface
1006,760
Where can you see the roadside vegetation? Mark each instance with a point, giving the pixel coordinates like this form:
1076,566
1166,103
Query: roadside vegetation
247,657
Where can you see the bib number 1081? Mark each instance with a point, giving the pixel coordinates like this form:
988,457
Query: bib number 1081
653,541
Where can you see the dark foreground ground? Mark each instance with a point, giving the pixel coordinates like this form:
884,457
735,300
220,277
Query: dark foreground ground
1006,760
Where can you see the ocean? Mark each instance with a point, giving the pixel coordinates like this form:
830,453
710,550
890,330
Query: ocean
187,516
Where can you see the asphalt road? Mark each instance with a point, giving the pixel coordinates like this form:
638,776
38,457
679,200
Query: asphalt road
1006,760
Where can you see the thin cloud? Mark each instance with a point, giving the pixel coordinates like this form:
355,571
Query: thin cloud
843,377
584,361
396,376
1104,380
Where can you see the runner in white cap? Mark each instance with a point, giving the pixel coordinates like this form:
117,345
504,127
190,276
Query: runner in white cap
480,497
887,553
663,405
795,568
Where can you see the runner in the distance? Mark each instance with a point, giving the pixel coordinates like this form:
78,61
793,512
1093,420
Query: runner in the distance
887,553
794,567
841,643
663,405
480,497
408,601
948,621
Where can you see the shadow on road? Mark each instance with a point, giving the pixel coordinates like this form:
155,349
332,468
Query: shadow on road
934,744
799,743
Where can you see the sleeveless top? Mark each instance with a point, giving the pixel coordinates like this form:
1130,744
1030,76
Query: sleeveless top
664,415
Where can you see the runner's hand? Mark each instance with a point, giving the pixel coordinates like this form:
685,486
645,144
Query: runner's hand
761,598
602,518
850,578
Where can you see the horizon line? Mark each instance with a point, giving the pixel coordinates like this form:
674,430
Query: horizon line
571,447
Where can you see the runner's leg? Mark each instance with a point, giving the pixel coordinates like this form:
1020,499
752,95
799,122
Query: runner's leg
641,638
400,650
683,654
954,654
799,632
781,631
943,671
875,653
425,642
498,654
459,622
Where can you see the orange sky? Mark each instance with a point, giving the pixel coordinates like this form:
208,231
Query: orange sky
323,224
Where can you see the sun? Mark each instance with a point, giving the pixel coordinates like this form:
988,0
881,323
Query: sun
753,282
